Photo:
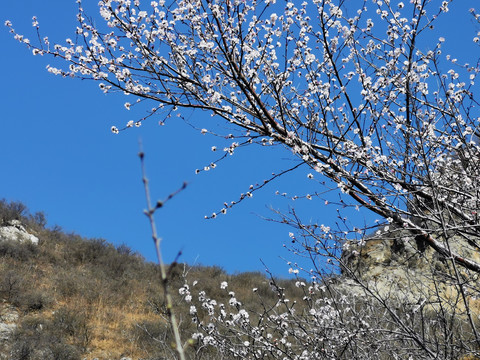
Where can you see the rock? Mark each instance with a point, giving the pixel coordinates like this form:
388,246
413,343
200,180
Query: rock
6,330
8,319
396,265
15,231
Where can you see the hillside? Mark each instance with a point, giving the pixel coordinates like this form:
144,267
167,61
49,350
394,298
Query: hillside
65,297
70,298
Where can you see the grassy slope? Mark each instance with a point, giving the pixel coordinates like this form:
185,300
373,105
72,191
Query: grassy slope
80,297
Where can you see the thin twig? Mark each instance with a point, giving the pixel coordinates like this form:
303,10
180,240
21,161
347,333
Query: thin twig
157,241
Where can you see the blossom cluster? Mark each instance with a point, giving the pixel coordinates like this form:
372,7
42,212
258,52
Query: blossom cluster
313,329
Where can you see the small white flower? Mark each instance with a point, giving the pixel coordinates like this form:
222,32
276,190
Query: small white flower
444,7
114,130
232,301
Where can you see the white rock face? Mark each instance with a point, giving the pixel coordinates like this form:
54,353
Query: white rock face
6,330
15,231
8,324
8,318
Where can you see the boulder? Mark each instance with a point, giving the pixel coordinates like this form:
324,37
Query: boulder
14,230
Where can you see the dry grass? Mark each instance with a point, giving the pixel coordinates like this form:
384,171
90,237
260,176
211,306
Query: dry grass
102,301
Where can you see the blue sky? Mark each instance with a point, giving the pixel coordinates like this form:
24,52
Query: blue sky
59,156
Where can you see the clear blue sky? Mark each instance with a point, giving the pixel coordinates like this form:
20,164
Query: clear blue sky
59,156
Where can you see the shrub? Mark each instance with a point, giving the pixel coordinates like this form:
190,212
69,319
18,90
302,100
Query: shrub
72,323
11,211
11,284
43,348
156,339
62,351
32,300
22,251
40,339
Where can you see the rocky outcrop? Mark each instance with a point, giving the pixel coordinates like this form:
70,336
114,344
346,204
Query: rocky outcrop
14,230
8,319
395,264
8,324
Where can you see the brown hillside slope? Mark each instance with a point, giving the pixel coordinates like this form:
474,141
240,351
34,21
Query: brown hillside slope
73,298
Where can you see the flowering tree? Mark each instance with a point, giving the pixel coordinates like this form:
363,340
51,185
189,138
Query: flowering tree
359,96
